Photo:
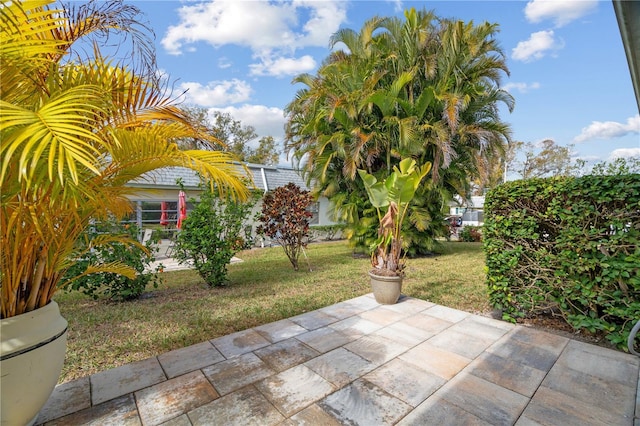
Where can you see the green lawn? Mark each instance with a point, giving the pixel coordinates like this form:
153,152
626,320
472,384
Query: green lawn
264,288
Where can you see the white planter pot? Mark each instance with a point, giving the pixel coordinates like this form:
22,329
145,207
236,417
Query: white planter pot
32,353
386,289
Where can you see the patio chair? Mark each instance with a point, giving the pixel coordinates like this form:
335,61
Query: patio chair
146,236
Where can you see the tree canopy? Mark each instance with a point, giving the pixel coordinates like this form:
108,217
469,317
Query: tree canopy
422,87
232,136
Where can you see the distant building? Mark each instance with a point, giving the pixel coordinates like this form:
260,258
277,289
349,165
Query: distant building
470,211
161,187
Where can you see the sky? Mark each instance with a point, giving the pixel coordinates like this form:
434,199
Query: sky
568,70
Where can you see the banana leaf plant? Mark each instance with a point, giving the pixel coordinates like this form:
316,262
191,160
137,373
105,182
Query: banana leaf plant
391,199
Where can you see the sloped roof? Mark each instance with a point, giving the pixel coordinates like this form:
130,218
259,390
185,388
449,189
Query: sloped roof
264,178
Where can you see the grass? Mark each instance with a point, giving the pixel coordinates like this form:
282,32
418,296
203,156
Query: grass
264,288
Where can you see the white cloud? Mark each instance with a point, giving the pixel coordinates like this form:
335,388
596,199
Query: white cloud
609,129
561,12
282,66
258,25
324,20
397,5
268,121
521,87
217,93
224,62
624,153
273,31
538,45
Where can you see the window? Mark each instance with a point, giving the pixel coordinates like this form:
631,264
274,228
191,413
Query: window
314,209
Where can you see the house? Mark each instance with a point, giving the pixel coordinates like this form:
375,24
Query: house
161,187
467,212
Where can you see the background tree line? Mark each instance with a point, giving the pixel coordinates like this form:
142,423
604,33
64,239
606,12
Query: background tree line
236,138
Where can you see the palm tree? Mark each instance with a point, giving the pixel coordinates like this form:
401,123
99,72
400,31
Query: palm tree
76,128
418,87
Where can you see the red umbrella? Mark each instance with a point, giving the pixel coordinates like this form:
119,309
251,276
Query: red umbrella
182,208
164,220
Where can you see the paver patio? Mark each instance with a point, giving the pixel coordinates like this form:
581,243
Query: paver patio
358,362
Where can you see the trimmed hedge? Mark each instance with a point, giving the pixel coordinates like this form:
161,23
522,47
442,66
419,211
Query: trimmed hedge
568,246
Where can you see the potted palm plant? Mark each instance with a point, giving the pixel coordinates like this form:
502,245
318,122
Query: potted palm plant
74,131
391,199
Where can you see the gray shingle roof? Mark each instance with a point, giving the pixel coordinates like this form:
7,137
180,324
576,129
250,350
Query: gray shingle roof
167,177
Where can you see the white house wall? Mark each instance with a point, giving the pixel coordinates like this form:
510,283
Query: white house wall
161,186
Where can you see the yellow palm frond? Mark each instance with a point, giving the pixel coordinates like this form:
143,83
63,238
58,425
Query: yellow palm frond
59,133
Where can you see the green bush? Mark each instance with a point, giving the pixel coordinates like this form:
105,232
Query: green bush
470,234
114,286
568,246
212,234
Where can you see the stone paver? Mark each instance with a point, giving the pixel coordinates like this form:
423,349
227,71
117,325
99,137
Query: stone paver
247,406
363,403
294,389
312,416
437,411
405,381
182,420
404,334
551,406
486,330
313,320
237,372
185,360
382,316
342,310
117,411
592,390
488,401
240,343
285,354
376,349
166,400
446,313
438,361
467,345
533,353
340,366
360,363
408,305
355,326
122,380
324,339
507,373
67,398
280,330
427,323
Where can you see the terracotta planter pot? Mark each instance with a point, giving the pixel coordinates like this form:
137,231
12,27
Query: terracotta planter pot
386,290
32,353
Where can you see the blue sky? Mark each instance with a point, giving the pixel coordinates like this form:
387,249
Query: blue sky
569,74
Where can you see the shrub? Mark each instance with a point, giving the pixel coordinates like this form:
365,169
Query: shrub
285,219
470,234
327,232
212,234
567,245
97,247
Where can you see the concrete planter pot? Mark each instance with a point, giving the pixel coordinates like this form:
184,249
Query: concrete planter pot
32,349
386,289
